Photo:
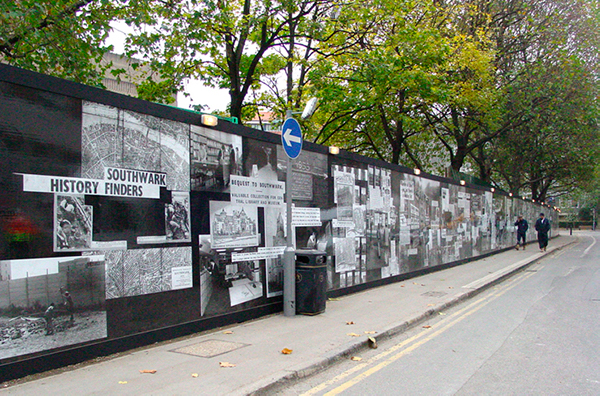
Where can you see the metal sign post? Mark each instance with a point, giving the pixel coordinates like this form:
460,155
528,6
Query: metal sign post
291,138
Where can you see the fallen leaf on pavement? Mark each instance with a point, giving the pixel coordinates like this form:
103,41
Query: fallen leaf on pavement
349,323
195,375
353,335
370,332
450,287
122,382
286,351
226,364
401,285
430,305
356,358
228,332
372,343
427,327
441,313
147,371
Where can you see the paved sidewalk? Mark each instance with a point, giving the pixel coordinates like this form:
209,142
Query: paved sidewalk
255,348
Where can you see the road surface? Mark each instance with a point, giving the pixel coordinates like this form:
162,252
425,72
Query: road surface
534,334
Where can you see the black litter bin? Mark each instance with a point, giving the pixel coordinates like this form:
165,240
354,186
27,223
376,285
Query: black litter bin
311,282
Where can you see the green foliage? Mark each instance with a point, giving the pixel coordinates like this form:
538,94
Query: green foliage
554,147
505,88
225,44
161,91
372,89
63,38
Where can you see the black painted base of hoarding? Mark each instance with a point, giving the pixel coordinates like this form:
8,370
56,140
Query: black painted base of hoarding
70,356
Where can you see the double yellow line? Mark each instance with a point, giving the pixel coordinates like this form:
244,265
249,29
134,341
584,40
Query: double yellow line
413,343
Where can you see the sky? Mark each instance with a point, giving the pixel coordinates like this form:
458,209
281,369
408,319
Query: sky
215,99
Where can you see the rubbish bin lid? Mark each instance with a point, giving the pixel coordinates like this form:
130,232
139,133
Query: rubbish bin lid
310,252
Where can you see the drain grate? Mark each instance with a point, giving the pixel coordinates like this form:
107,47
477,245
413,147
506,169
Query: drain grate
210,348
434,294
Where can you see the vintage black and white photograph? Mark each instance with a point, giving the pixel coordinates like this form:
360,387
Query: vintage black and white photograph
307,170
225,283
378,239
345,254
177,217
261,160
380,189
61,305
214,157
344,196
73,223
207,262
102,142
126,139
274,236
380,218
137,272
155,144
360,219
141,141
233,226
274,274
248,288
175,153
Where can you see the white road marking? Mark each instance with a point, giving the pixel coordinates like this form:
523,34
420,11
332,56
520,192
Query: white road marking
589,247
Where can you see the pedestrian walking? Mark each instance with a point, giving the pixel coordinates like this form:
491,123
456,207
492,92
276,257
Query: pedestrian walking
542,226
522,227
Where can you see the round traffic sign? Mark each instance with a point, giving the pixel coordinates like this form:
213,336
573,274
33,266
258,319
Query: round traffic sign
291,138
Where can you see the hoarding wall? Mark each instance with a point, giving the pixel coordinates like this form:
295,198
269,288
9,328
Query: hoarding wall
125,220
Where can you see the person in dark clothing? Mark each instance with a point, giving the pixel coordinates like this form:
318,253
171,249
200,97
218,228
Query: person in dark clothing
68,303
232,161
542,226
64,235
48,316
522,227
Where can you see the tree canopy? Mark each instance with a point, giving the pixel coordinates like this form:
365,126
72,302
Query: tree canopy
63,38
505,90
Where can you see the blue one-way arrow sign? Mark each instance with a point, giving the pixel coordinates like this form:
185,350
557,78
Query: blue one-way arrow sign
291,138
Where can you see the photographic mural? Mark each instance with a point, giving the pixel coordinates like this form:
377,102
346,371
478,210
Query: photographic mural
116,222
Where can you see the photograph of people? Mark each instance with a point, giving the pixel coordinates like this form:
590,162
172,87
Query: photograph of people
73,223
177,220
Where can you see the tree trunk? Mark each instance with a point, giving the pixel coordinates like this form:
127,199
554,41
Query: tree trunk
236,105
485,170
459,159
